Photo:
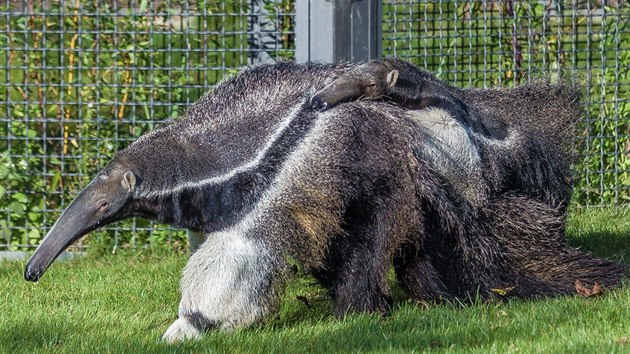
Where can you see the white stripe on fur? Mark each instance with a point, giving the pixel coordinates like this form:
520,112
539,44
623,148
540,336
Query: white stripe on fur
243,168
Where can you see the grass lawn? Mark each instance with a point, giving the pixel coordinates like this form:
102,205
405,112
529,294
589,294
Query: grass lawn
123,303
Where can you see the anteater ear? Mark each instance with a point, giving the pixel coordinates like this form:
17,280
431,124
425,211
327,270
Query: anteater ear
129,181
392,77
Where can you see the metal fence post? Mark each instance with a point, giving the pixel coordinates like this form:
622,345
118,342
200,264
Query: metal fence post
338,30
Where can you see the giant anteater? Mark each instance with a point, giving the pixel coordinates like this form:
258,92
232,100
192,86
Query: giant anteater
347,192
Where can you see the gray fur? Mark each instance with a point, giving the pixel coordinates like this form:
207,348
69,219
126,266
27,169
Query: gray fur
228,282
346,192
450,148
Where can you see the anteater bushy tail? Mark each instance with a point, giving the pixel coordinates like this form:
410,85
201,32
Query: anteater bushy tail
532,235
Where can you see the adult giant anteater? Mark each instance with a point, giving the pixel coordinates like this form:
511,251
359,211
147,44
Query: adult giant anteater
347,192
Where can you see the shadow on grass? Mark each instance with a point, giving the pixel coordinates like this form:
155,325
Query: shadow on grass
34,335
409,329
484,329
611,245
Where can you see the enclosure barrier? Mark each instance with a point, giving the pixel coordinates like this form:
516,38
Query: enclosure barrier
81,79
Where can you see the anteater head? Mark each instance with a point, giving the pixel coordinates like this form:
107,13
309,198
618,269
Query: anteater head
106,199
370,80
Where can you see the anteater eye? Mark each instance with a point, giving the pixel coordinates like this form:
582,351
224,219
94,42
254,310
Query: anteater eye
103,205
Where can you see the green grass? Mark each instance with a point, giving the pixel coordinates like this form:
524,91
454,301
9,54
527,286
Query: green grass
123,303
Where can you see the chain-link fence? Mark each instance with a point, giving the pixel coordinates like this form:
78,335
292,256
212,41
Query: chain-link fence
81,79
503,43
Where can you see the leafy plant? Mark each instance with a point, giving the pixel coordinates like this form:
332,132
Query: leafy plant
85,78
503,43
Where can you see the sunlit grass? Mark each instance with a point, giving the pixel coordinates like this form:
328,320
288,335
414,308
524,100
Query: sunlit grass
124,302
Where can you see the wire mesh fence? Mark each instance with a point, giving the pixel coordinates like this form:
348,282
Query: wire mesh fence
81,79
504,43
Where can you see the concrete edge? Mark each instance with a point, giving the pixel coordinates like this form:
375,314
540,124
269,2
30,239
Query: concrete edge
21,255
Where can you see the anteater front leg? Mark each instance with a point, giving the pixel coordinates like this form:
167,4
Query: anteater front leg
230,281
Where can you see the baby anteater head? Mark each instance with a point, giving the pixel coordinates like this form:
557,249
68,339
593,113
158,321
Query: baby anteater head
370,80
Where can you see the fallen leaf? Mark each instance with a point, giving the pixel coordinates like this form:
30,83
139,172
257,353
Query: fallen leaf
581,289
622,341
585,291
597,289
503,291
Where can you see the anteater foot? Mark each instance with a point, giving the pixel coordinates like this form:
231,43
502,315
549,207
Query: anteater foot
180,330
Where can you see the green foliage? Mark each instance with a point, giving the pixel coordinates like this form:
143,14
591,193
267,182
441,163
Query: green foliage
283,11
507,43
605,143
82,82
88,77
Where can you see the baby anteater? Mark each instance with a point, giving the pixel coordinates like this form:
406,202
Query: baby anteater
390,79
403,83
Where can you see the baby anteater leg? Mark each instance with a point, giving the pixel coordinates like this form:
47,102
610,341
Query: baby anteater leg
228,282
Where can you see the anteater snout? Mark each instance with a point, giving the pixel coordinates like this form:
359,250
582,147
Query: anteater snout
317,103
32,274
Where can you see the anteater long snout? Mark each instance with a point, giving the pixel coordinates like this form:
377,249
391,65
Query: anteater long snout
336,92
73,223
63,233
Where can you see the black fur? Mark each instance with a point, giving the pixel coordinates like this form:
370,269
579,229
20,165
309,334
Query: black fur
200,322
349,192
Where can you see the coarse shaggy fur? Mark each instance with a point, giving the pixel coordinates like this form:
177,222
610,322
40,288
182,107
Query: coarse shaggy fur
348,192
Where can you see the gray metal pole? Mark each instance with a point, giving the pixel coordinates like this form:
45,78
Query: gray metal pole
366,30
338,30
